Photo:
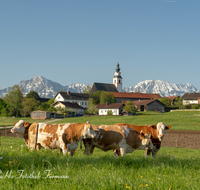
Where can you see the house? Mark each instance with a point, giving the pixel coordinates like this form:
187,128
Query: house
40,114
134,96
149,105
77,109
116,108
191,98
79,98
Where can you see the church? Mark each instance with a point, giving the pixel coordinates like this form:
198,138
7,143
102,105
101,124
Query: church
116,89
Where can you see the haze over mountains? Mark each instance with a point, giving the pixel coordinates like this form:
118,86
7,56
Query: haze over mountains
48,89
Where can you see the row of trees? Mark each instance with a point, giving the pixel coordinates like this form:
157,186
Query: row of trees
14,104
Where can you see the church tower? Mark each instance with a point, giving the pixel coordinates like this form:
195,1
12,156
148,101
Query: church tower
117,79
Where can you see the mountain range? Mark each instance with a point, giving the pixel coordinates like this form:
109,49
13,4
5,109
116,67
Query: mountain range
48,89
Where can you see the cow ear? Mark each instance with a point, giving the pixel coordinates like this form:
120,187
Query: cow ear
142,134
153,126
26,124
15,123
167,127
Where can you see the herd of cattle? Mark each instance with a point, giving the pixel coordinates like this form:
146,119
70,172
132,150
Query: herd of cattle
122,138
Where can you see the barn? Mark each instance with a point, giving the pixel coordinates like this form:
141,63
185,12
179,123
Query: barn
40,114
149,105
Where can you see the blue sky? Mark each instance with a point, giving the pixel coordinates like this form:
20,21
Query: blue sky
80,41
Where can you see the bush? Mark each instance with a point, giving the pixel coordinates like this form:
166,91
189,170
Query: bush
109,112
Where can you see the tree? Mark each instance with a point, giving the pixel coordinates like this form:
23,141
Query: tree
96,97
91,107
178,102
2,105
129,107
14,100
33,94
165,101
107,97
29,105
46,105
87,90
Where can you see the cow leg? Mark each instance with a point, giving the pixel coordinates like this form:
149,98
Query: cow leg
89,150
116,152
80,143
71,153
122,151
123,147
154,152
38,147
63,149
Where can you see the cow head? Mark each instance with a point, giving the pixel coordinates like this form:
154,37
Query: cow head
146,140
88,131
161,130
19,128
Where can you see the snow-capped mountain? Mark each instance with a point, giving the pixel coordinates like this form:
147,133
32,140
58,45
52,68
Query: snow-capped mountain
48,89
44,87
163,88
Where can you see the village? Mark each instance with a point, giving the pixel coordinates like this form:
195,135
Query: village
78,102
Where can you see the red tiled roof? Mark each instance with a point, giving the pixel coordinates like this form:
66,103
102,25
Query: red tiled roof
135,95
171,97
109,106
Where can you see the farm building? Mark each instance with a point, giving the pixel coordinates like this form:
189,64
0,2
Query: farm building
78,110
116,108
134,96
149,105
40,114
191,98
80,98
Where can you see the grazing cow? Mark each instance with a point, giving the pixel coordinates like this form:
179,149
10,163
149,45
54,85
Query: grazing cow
114,137
59,136
157,134
21,130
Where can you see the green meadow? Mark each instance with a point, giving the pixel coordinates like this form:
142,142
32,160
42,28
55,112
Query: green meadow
173,168
177,120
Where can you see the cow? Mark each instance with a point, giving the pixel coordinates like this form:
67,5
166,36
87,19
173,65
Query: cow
114,137
21,130
157,134
65,137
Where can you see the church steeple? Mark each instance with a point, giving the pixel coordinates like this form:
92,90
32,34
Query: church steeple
117,79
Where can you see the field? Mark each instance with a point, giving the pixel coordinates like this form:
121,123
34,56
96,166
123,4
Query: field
173,168
177,120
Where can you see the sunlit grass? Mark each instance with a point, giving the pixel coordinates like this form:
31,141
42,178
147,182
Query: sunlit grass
174,168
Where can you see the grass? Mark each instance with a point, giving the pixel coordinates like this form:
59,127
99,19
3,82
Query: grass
174,168
177,120
9,121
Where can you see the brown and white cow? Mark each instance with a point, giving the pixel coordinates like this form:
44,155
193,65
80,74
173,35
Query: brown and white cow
114,137
59,136
21,130
157,134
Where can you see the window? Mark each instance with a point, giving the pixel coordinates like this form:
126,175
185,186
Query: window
85,103
119,81
82,103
